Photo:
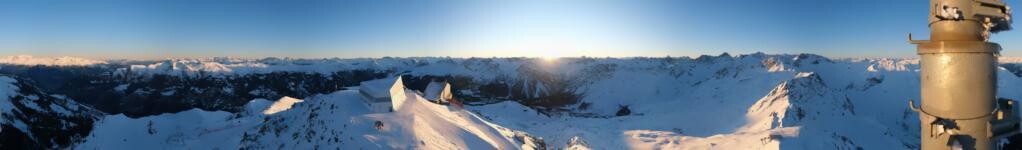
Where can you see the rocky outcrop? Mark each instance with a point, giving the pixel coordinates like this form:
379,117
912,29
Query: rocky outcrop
32,119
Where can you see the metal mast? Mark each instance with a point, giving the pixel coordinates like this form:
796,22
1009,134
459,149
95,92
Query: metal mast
959,108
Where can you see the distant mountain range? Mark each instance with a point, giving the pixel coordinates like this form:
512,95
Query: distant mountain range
749,101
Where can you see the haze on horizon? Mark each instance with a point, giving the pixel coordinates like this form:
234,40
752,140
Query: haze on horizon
502,28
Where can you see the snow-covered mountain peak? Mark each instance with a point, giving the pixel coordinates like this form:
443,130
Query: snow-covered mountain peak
888,64
823,116
810,59
712,59
773,64
804,96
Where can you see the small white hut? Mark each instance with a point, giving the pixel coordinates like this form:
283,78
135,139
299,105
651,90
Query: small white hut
383,95
439,92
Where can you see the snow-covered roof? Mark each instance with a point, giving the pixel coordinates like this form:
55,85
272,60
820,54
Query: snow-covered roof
378,88
434,89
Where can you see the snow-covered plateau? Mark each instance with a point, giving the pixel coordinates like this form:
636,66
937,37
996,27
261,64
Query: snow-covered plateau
749,101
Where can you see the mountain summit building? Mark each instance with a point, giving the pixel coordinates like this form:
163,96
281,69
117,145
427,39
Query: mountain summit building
383,95
439,92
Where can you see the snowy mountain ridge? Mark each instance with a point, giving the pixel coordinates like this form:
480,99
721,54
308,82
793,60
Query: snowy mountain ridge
748,101
31,118
331,121
228,64
59,61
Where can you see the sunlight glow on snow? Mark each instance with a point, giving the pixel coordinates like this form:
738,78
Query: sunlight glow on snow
283,104
549,59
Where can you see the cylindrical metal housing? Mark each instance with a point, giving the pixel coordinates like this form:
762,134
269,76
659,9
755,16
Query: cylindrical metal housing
958,75
957,85
964,30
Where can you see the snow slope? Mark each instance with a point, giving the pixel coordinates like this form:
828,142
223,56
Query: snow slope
801,113
336,120
740,102
283,104
32,119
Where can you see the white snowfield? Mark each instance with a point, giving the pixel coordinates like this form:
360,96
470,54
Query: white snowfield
332,121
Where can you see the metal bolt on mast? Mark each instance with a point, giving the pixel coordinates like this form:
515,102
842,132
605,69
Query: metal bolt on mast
959,108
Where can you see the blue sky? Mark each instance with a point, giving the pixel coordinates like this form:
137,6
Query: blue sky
462,28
